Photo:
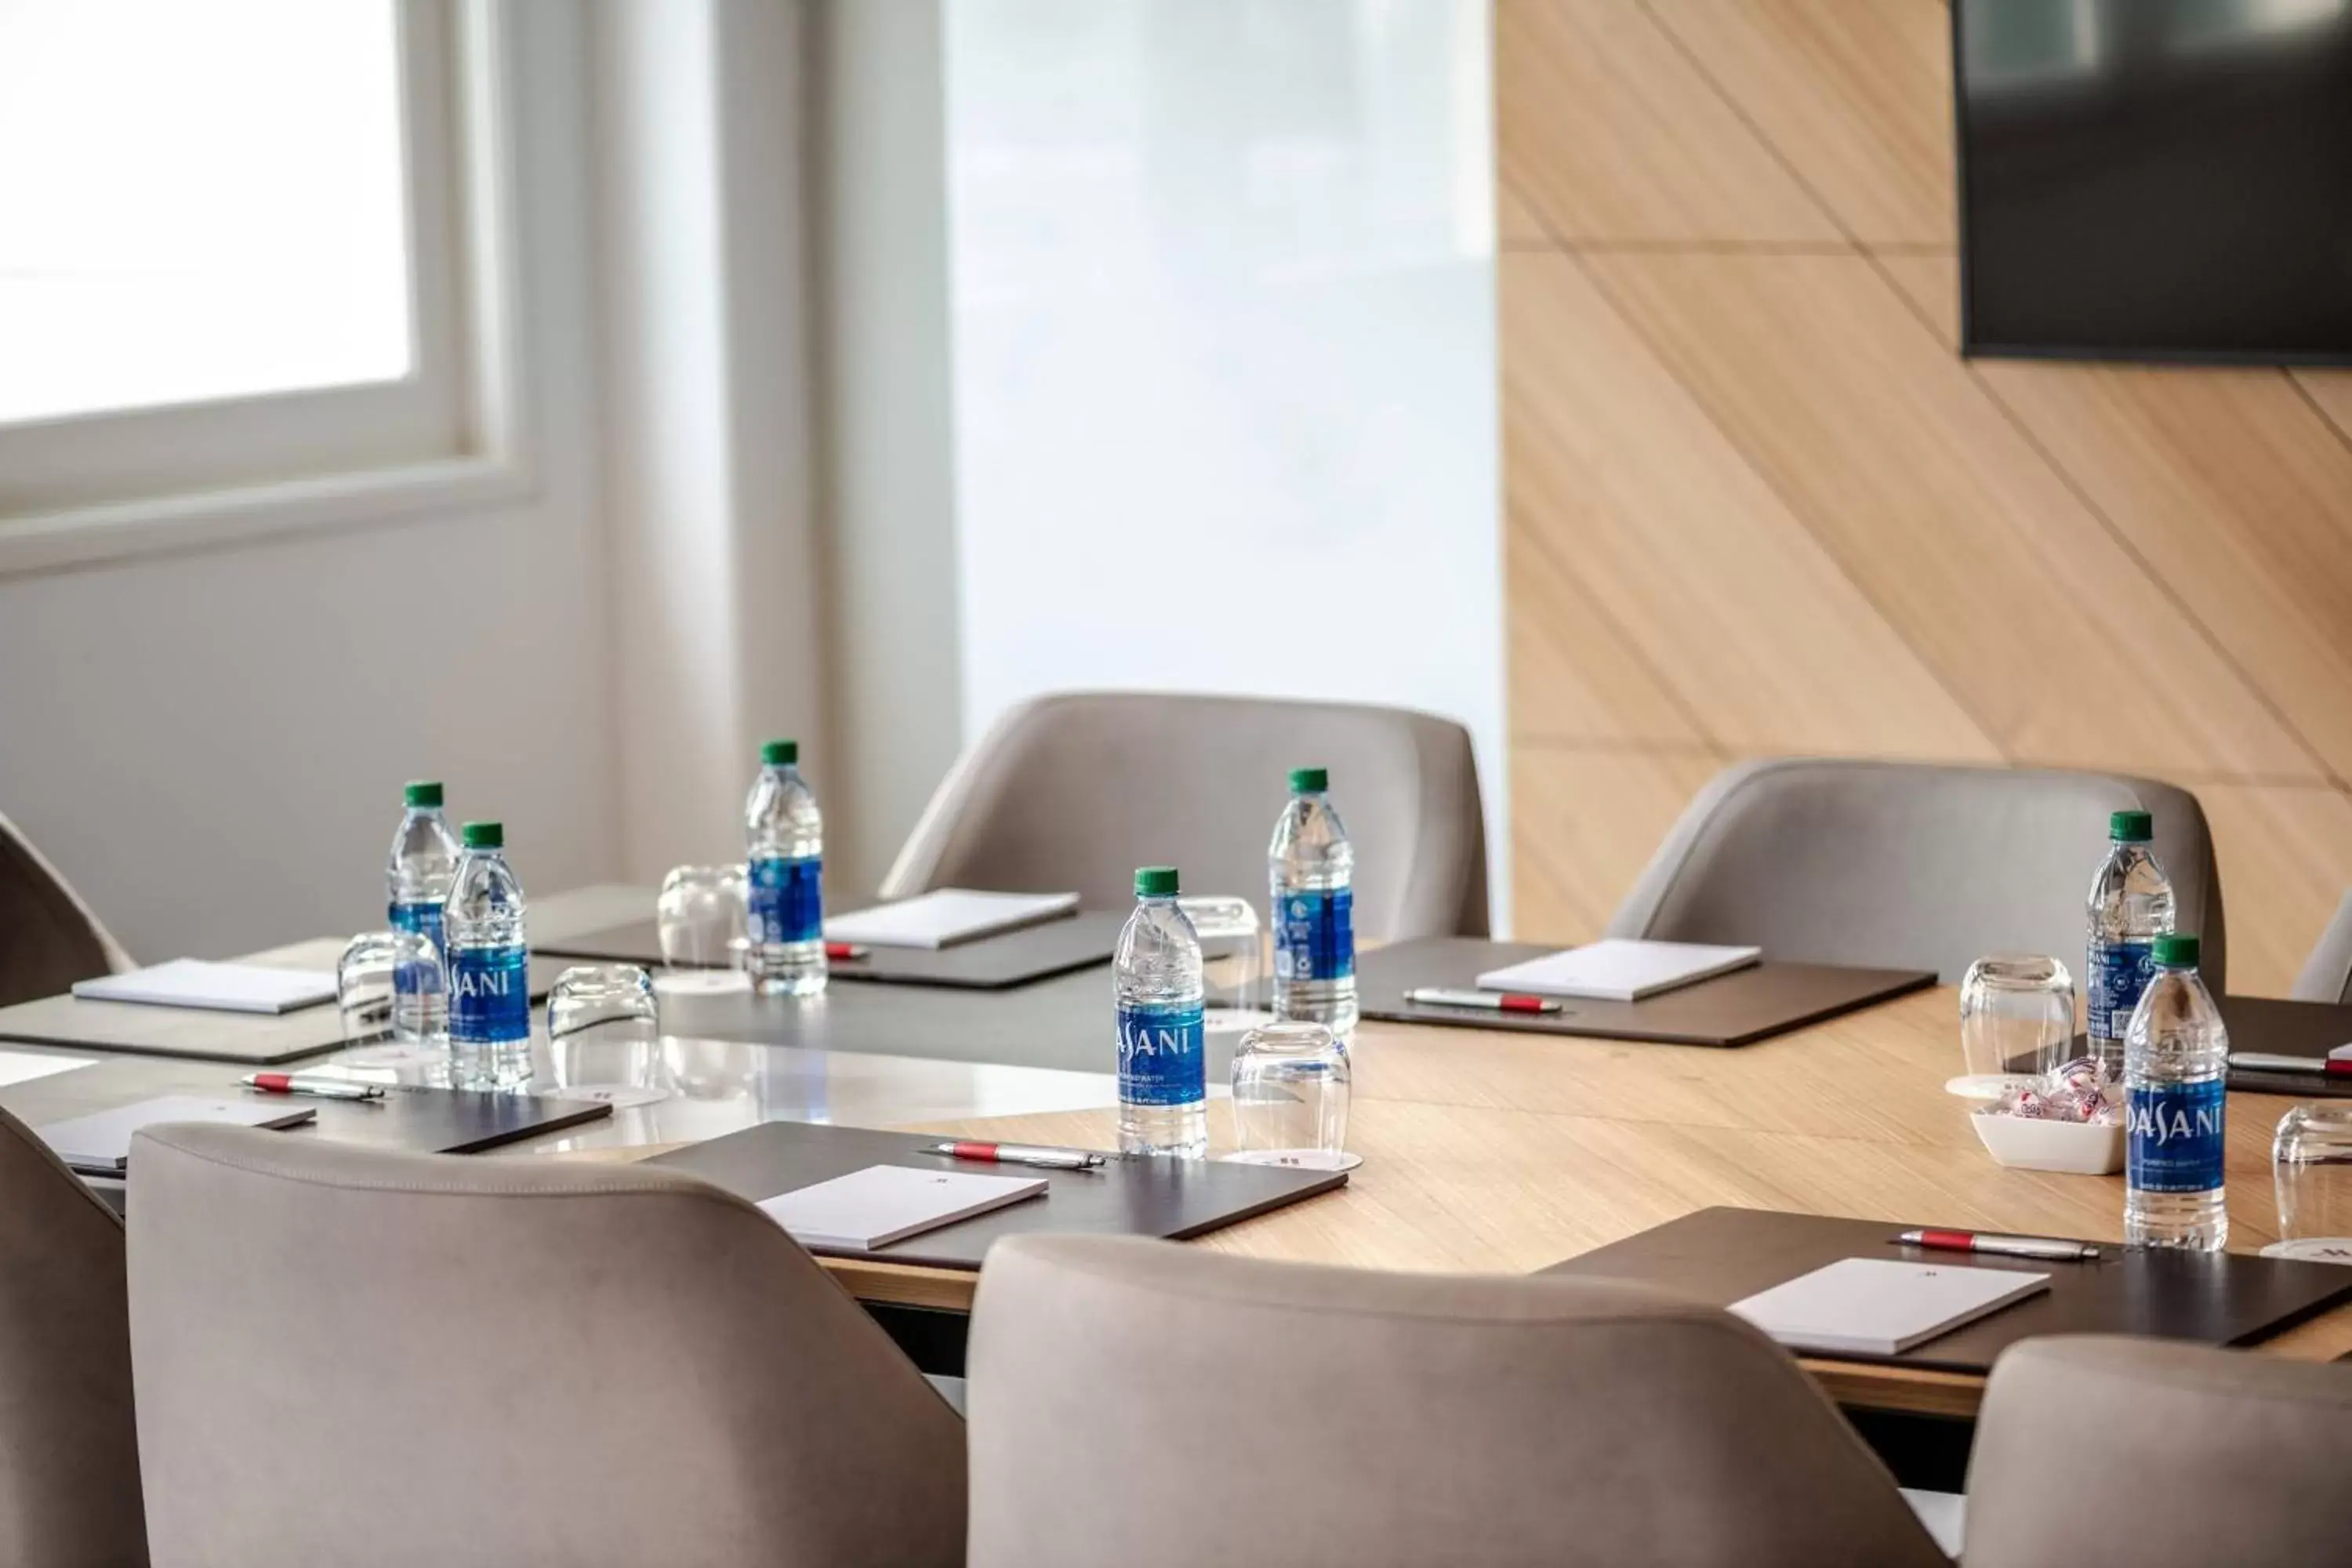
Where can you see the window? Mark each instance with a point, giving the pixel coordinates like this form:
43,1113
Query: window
201,201
243,245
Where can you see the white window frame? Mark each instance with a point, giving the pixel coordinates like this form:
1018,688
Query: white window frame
449,434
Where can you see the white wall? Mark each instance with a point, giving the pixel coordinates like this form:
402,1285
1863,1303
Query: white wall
1210,311
211,746
880,251
716,636
1222,293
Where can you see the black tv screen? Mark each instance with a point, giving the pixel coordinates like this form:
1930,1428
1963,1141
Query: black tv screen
2156,179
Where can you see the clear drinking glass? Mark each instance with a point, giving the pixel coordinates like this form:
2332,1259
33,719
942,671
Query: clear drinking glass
603,1036
1291,1098
701,918
2311,1164
2017,1016
1232,960
401,1023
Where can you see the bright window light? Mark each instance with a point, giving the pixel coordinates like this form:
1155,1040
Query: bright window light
199,199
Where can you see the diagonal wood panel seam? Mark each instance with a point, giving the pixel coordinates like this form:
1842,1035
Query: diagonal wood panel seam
1756,504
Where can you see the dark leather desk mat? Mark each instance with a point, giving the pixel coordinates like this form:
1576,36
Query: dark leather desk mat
1173,1199
420,1120
2287,1029
255,1040
1736,1009
990,963
1722,1255
430,1120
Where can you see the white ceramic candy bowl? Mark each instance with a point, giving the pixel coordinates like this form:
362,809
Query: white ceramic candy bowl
2076,1148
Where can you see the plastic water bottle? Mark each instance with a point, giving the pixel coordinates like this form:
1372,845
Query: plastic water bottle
1164,1085
785,865
2130,907
2176,1061
417,874
1311,867
490,965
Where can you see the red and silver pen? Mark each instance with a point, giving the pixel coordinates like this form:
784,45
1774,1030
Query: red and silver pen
842,952
316,1088
1020,1154
2264,1061
2049,1247
1485,1000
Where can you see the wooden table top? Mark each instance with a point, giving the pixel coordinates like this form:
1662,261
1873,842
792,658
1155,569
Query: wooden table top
1494,1152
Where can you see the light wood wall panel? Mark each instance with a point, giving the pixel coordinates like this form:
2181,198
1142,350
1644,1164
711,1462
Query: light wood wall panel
1611,132
1573,676
1856,95
2331,392
1514,221
1972,547
2286,859
1584,823
1617,474
1758,505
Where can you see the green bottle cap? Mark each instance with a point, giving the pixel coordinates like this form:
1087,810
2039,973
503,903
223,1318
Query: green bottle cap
781,753
423,791
1309,781
485,834
2175,951
1155,881
2131,827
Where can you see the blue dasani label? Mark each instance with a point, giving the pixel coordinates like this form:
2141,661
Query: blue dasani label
424,918
489,996
1162,1054
2176,1134
1315,935
2120,971
787,900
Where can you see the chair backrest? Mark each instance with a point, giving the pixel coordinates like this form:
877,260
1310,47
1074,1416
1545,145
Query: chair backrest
2327,973
1072,792
2200,1456
1147,1404
68,1446
1911,864
351,1356
48,938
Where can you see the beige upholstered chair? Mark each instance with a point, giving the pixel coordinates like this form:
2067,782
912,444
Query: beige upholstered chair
1074,791
2200,1456
347,1357
1158,1407
69,1449
1910,866
48,938
2327,974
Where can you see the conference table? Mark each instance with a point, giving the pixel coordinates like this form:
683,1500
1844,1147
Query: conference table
1495,1153
1482,1151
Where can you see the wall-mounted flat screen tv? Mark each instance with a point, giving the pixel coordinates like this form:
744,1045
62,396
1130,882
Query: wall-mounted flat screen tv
2156,179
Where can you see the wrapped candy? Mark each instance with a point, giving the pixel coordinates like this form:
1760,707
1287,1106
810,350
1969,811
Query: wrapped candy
2078,1090
2024,1099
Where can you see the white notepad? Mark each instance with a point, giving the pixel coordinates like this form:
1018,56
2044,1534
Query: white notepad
1878,1306
221,987
1619,968
23,1066
947,916
102,1141
883,1204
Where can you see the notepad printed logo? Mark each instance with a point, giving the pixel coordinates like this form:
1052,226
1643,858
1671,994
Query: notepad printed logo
1163,1054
